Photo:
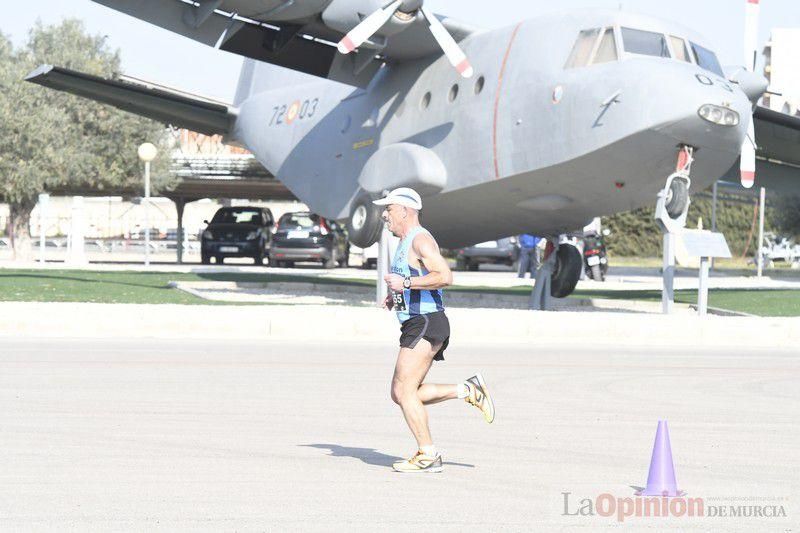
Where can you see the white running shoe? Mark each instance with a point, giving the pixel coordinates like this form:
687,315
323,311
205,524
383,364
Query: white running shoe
479,397
419,463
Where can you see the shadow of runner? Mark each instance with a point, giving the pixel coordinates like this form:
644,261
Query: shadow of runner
369,456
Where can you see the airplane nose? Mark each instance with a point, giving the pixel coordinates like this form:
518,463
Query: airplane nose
712,117
752,84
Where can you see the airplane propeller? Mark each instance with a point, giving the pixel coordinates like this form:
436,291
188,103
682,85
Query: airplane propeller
370,25
747,166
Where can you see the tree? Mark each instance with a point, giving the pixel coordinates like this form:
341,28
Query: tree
635,233
49,138
787,214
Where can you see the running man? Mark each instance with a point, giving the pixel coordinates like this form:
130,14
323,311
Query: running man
419,273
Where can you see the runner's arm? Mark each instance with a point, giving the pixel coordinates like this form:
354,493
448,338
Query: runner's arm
439,274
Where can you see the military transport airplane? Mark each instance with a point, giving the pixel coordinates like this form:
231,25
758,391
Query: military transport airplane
537,127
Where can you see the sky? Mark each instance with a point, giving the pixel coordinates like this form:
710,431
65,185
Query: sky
162,57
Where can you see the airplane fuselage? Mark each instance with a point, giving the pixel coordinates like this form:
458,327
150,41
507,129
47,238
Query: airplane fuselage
527,145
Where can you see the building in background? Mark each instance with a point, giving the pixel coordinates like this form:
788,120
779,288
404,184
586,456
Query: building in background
782,69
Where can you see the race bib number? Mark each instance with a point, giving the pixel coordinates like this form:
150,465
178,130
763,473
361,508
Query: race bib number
399,300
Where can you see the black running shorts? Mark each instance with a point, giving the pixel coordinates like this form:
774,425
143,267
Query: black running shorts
433,327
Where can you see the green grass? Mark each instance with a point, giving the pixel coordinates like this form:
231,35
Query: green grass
152,288
735,266
121,287
772,302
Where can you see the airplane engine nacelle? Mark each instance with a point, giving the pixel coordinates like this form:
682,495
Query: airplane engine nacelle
404,165
344,15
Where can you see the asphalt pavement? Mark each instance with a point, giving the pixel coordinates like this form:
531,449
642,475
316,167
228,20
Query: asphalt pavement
233,435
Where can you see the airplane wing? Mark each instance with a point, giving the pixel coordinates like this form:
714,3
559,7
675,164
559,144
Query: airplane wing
298,35
778,135
171,107
778,154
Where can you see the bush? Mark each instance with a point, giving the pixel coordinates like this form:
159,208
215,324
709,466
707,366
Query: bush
635,233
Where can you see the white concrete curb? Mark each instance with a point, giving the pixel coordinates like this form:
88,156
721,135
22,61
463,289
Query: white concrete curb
331,323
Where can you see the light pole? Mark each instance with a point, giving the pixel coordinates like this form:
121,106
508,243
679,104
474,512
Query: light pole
761,207
147,152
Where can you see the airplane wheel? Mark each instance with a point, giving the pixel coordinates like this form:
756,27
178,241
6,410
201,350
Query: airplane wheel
677,198
569,264
365,223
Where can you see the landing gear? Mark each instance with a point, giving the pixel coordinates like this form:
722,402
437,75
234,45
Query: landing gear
677,200
568,266
558,275
365,224
671,210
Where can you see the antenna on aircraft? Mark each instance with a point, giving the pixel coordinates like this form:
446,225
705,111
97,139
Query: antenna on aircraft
370,26
747,166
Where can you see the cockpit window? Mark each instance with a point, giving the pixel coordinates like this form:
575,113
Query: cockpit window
679,48
582,51
607,51
706,59
645,42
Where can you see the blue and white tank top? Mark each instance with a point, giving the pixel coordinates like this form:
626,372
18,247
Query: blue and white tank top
413,302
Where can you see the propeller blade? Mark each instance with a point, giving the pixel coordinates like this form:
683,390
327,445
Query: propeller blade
451,49
367,28
747,166
751,34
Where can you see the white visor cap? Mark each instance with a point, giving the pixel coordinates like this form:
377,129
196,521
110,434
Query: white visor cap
403,196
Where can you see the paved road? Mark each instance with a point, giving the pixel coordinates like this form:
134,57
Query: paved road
189,435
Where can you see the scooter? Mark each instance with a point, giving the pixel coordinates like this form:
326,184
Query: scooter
595,260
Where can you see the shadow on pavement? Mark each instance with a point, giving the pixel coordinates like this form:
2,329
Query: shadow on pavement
369,456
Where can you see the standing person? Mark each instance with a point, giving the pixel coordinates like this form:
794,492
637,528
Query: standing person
419,273
528,254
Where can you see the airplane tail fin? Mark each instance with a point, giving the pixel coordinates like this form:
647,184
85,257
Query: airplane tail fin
149,100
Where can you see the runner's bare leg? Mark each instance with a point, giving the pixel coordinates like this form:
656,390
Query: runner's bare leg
431,393
411,368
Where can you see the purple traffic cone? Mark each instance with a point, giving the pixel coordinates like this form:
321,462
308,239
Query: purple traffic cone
661,478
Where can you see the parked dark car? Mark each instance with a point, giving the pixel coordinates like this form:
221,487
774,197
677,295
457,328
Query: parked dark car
499,252
304,236
237,232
